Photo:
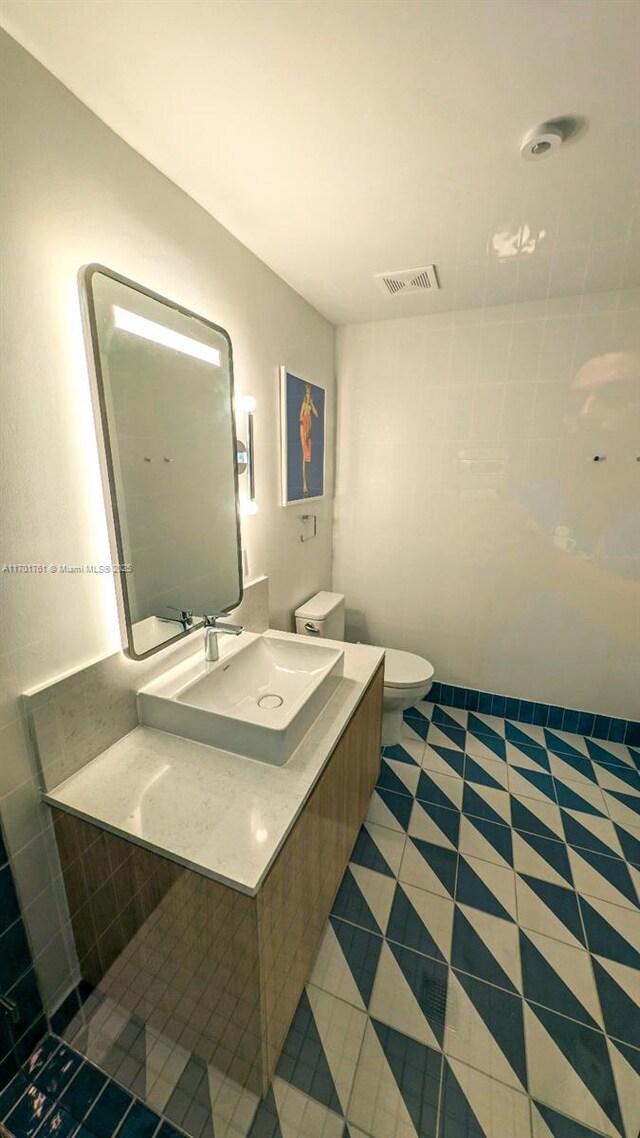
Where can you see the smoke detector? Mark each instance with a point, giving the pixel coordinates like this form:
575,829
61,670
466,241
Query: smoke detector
540,142
543,140
408,280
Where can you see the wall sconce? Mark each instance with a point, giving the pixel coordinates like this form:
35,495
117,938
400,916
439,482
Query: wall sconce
246,454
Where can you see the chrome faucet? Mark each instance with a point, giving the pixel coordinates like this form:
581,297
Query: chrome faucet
185,617
211,630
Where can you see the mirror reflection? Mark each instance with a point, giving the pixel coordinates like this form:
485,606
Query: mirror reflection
165,393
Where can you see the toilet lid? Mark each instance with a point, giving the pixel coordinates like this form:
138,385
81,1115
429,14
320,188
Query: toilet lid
404,670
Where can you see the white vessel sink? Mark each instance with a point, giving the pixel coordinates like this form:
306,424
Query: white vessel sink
259,699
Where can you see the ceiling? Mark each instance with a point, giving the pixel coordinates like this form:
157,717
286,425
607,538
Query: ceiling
341,138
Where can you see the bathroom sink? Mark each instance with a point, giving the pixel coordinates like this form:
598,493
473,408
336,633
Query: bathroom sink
259,699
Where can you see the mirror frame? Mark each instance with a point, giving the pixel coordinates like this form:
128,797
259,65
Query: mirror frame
86,274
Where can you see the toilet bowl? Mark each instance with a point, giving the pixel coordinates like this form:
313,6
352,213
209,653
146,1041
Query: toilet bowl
407,678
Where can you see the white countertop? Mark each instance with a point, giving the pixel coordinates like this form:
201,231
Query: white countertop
221,814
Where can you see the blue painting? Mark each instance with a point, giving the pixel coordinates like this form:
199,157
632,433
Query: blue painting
303,439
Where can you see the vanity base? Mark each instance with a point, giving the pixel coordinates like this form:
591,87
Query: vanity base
211,969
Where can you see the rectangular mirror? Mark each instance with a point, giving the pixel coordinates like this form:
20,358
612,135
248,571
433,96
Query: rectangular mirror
164,382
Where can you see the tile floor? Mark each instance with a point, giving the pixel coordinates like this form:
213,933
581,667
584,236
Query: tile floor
479,976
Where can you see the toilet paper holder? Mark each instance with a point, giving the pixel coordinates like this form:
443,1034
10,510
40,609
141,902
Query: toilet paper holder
309,518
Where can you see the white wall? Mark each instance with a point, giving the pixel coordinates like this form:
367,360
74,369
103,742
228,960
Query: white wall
73,192
464,446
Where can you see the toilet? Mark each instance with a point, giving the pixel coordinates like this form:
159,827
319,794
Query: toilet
407,678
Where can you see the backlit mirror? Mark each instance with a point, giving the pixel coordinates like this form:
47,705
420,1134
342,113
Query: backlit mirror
164,387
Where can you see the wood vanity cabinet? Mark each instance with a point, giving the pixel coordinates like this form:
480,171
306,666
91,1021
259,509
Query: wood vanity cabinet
215,970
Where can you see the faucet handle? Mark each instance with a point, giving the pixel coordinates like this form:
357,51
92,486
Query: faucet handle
186,615
212,622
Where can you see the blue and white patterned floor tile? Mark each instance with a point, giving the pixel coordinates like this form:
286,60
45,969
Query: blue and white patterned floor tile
479,976
487,939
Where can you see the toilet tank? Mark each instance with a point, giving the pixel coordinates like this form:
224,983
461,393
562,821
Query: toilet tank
322,615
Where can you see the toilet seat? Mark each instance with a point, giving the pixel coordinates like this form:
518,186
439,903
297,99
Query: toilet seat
405,670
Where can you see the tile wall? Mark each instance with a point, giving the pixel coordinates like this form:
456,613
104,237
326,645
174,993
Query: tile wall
18,982
472,524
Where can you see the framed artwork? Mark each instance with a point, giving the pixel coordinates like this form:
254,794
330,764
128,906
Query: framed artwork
302,407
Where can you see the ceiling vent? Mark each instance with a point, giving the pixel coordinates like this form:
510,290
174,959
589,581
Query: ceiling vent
408,280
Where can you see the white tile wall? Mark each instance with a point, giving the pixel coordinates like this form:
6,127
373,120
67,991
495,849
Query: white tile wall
458,455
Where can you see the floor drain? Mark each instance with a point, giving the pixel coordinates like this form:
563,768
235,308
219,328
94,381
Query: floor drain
270,701
434,999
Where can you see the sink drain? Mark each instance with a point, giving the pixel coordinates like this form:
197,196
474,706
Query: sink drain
270,701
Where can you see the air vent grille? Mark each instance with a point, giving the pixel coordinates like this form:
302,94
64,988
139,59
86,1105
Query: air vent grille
408,280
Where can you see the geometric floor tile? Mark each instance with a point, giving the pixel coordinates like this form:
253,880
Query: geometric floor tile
562,743
232,1107
486,886
409,751
303,1062
485,1029
341,1030
417,1072
409,994
441,735
629,837
485,747
559,977
623,808
611,931
331,971
609,754
399,775
624,780
377,1105
608,878
625,1062
597,834
346,962
487,947
429,867
619,989
586,798
389,809
415,725
531,784
489,841
475,1106
486,802
441,789
379,848
549,909
479,976
570,1070
352,902
483,733
482,724
542,818
529,756
541,857
528,735
490,772
377,890
548,1123
421,921
301,1117
572,769
435,824
443,760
